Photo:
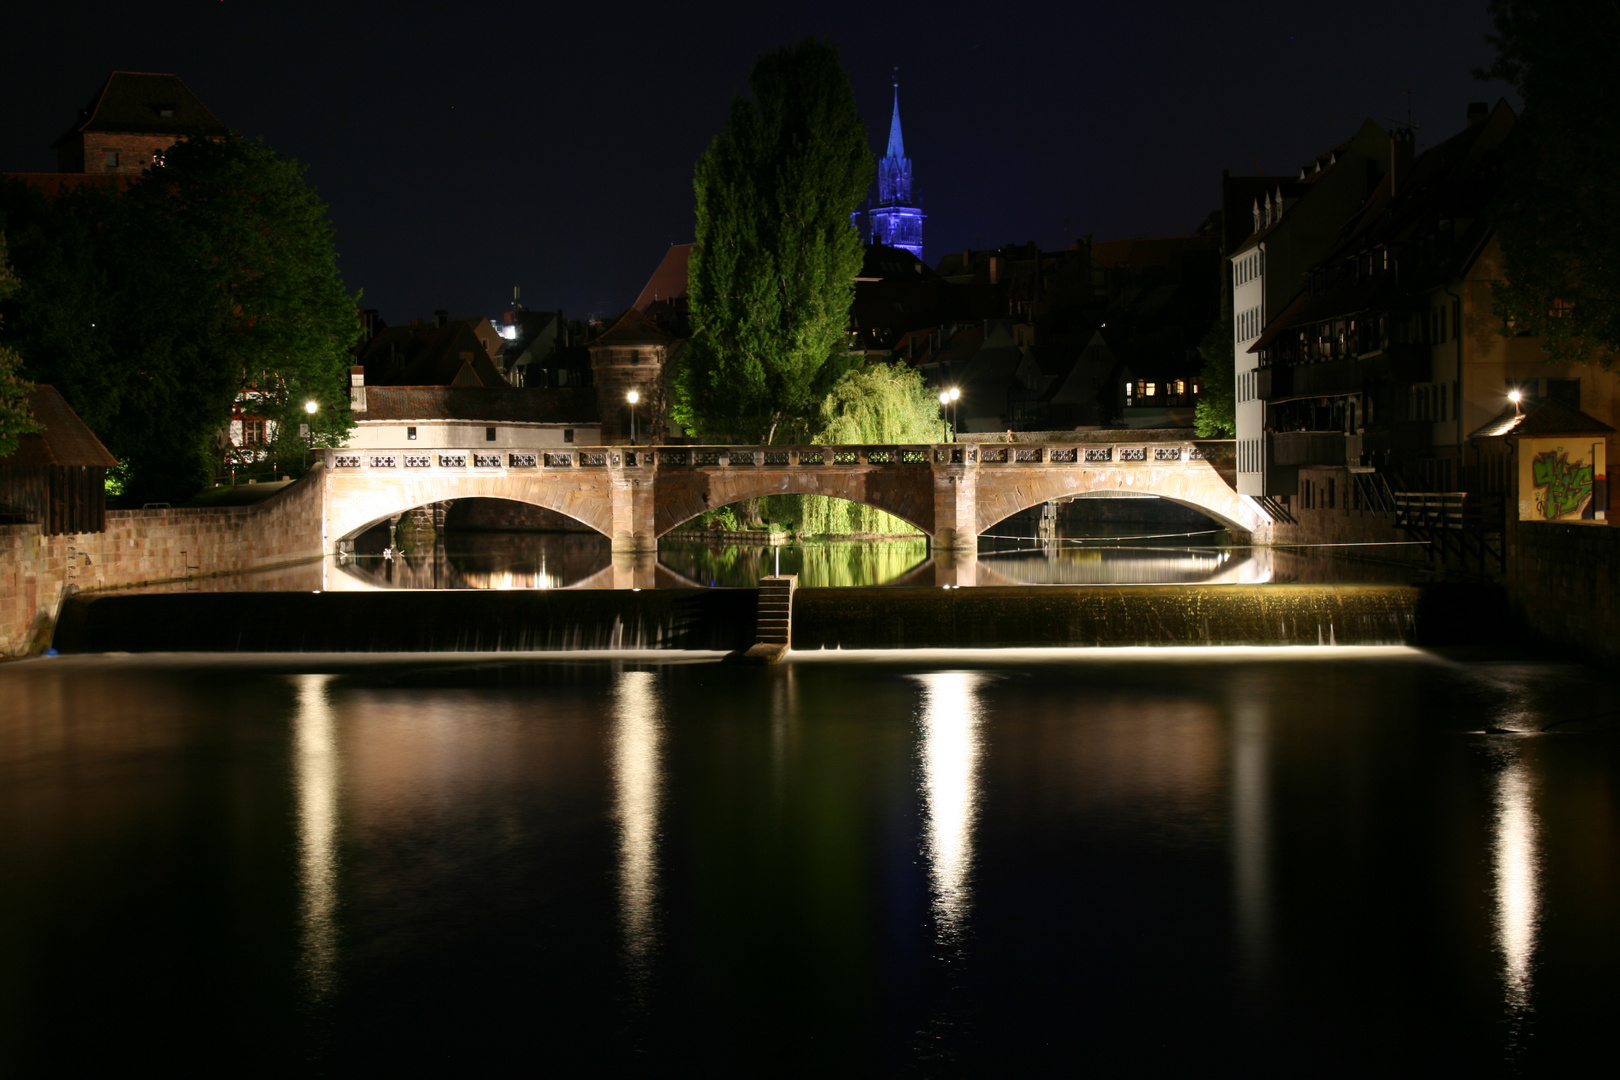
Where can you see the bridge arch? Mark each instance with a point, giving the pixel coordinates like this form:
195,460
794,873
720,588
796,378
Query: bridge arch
1200,489
352,509
907,495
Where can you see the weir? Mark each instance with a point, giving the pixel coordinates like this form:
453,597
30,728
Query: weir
729,620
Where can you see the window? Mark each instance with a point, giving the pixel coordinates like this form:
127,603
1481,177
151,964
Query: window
252,432
112,159
489,434
1561,309
1150,390
410,433
568,434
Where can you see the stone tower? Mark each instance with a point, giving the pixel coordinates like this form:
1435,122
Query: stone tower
896,219
632,355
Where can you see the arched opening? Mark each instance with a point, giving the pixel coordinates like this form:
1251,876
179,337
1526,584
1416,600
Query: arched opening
477,543
1112,537
826,541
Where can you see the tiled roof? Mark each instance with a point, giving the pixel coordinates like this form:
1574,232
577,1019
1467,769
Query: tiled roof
53,185
1550,418
430,355
633,328
65,439
669,280
146,103
568,405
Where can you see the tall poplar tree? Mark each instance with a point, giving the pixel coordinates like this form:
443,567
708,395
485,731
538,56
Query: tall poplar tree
16,418
1559,231
772,273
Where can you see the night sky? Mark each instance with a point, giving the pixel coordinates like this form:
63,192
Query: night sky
464,148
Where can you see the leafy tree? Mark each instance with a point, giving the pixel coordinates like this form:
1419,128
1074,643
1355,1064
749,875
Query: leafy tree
1559,233
878,403
1215,416
772,272
16,418
214,276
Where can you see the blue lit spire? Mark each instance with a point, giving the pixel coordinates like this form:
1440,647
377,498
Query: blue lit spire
895,220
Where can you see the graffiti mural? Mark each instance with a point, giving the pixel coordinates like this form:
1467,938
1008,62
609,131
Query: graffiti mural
1564,482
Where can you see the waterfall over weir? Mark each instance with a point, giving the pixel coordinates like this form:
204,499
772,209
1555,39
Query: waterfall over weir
724,620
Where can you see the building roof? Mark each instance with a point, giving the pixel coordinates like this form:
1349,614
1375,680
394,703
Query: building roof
430,354
669,280
564,405
53,185
633,328
1547,420
64,440
146,103
897,141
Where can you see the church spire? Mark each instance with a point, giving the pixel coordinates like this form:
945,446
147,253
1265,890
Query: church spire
897,143
896,219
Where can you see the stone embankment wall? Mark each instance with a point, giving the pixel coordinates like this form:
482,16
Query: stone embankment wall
1564,582
144,547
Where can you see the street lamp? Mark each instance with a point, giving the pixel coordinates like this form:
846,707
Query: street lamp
632,397
1516,395
310,408
955,393
944,422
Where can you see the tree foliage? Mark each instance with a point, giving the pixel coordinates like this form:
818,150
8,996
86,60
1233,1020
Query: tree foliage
1557,224
16,418
876,404
154,309
1215,416
772,272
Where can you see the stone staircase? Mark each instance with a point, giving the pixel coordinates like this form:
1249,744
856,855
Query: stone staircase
774,623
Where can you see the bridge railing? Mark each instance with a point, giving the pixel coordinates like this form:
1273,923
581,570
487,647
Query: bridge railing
904,455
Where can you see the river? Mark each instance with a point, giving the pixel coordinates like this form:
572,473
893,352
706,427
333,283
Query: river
1319,861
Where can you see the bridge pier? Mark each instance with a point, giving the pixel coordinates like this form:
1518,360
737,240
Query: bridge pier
632,499
956,503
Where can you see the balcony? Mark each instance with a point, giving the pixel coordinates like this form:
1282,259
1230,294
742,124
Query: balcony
1314,448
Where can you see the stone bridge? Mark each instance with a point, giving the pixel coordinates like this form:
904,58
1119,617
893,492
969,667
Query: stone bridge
635,494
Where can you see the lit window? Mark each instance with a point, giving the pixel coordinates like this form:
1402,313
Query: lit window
1150,390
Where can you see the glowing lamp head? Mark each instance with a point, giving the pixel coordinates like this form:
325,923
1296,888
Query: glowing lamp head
633,396
955,393
1515,396
944,398
311,407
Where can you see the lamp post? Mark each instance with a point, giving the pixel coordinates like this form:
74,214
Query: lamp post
944,421
632,397
955,394
1516,395
310,409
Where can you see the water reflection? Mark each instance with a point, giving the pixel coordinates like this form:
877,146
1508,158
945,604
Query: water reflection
1251,833
1123,566
951,714
316,768
1516,870
637,739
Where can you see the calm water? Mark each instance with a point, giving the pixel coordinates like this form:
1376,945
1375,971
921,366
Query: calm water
1299,862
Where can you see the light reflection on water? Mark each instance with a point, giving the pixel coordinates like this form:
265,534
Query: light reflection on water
1516,870
950,718
637,735
317,778
1140,846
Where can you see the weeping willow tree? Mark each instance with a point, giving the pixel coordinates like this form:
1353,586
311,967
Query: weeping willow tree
876,404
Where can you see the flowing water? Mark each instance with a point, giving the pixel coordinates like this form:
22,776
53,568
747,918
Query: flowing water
1316,861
